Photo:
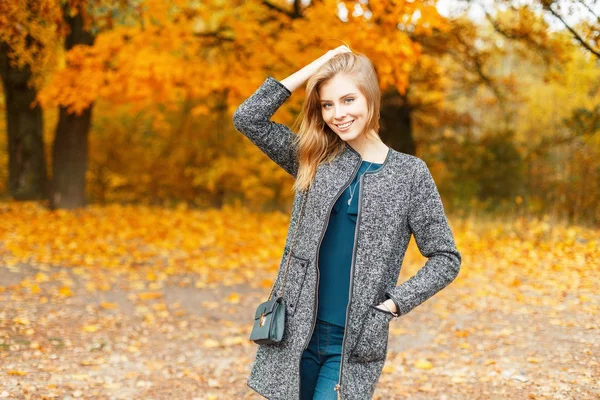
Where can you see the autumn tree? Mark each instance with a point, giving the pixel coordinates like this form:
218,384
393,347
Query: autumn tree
31,36
578,18
28,39
179,69
203,58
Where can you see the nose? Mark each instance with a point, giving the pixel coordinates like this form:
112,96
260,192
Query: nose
340,113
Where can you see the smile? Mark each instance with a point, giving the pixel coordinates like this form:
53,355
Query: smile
344,125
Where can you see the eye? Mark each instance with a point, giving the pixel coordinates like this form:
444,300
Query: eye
347,99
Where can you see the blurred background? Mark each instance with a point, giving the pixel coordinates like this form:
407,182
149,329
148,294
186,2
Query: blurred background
131,101
139,229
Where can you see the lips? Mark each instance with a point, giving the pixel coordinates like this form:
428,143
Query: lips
344,125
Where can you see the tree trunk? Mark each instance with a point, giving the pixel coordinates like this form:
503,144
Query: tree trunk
396,122
69,160
27,175
70,148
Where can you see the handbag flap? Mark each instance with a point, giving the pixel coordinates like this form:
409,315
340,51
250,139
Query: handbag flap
267,307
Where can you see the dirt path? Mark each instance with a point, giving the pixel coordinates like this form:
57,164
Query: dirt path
110,337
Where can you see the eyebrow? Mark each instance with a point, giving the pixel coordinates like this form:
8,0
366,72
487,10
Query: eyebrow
346,95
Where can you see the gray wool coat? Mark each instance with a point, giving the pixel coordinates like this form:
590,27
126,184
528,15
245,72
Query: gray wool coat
397,200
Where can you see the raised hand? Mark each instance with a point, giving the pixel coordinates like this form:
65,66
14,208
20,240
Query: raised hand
298,78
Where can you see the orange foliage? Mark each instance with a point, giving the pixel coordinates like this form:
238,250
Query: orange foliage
32,30
222,247
527,261
193,51
523,287
182,69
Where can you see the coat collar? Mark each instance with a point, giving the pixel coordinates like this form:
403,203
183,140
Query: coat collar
357,158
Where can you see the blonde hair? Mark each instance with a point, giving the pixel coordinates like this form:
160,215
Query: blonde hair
316,142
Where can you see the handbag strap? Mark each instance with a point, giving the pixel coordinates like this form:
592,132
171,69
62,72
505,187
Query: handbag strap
291,248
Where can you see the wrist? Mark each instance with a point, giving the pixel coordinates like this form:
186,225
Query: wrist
300,77
389,303
319,62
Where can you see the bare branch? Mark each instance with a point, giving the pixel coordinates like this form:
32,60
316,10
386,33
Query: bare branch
540,49
575,34
214,35
590,10
297,13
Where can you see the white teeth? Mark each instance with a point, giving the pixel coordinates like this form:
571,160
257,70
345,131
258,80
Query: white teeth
345,125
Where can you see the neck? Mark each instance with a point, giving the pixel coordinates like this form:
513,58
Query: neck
370,148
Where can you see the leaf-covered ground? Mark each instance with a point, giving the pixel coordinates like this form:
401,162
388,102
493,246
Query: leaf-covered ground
148,303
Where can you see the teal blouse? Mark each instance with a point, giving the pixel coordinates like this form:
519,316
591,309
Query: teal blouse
335,254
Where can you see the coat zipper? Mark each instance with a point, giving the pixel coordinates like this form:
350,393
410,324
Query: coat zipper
338,387
318,276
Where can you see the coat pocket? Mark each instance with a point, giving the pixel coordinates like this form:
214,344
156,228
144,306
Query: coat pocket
372,342
294,281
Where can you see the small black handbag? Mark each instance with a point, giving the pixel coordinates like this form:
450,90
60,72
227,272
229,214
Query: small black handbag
269,319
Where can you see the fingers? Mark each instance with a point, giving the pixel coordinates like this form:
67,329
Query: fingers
342,49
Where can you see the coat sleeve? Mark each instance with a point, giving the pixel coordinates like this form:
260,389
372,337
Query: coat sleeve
434,239
253,119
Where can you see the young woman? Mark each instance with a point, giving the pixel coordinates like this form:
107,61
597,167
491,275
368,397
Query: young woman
360,201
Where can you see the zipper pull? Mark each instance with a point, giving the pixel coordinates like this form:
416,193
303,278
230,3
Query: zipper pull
337,387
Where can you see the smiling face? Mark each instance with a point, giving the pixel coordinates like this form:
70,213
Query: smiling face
344,108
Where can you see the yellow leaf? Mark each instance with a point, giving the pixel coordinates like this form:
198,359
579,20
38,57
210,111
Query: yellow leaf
266,283
149,295
211,343
108,306
90,328
234,340
65,291
461,333
423,364
199,284
103,286
17,372
35,345
92,361
41,277
458,379
21,320
90,287
388,369
233,298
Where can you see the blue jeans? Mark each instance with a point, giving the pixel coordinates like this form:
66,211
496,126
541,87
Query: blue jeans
320,364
